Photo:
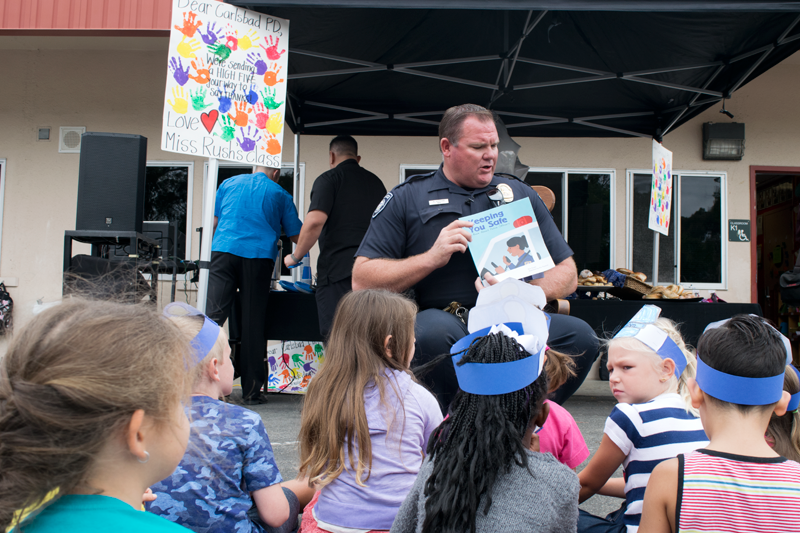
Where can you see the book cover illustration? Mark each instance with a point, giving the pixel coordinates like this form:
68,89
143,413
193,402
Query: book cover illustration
507,242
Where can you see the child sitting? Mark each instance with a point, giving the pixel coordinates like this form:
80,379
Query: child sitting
648,366
783,432
228,479
738,483
366,421
560,435
480,474
90,416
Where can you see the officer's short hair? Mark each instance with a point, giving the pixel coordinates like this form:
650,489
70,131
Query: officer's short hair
520,241
450,126
344,145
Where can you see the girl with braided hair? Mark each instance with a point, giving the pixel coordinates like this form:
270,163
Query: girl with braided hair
483,471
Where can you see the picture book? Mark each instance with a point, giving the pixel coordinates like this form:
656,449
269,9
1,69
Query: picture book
507,242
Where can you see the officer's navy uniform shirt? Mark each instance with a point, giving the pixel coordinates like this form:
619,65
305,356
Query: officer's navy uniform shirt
407,225
348,194
251,209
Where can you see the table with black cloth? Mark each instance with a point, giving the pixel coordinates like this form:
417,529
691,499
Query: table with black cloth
607,316
292,316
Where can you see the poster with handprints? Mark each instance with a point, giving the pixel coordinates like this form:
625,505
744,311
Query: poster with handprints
226,83
660,190
292,364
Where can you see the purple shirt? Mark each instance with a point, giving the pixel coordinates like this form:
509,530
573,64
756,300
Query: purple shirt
396,456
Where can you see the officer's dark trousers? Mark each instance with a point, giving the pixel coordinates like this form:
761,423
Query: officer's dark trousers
328,297
252,277
438,330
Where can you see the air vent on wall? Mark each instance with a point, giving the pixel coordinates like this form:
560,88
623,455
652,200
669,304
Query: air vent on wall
69,139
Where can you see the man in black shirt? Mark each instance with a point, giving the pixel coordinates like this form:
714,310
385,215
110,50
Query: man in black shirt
342,202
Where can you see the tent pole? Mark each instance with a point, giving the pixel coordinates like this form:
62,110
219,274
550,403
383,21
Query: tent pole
208,233
296,169
656,236
298,202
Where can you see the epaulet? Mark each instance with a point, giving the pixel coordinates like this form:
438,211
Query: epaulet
415,177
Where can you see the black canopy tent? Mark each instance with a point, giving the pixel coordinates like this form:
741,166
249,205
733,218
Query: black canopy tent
548,68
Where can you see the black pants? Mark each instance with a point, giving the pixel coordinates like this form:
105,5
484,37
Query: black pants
438,330
252,277
328,297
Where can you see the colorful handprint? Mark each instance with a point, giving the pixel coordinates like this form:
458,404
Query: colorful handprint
268,96
224,100
180,104
273,146
203,75
271,76
221,51
228,129
190,25
249,40
252,95
188,48
254,58
271,47
180,75
242,116
275,123
262,114
212,34
198,98
232,38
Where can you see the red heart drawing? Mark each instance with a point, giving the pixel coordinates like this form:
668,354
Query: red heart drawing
209,119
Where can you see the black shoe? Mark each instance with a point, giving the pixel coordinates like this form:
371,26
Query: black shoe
255,400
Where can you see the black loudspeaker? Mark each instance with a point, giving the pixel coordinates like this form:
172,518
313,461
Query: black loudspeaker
111,182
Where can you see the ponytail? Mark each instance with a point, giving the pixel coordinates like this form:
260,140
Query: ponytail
70,381
560,367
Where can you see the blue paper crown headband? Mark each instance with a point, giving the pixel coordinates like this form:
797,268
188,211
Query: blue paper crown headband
204,341
738,389
487,379
641,328
794,403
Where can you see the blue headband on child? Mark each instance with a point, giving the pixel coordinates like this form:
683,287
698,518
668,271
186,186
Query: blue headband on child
794,403
487,379
641,328
204,341
738,389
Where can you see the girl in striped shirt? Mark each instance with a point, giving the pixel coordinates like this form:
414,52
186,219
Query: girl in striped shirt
738,483
648,365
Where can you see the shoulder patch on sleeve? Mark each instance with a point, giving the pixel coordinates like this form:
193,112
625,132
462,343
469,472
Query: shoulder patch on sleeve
383,203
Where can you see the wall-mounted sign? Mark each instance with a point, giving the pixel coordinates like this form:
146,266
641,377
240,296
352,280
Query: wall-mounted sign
738,230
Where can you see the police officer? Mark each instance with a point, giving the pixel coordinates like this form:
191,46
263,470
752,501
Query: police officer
415,241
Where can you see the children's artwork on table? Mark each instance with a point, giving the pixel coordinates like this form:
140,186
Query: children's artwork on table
661,190
507,242
292,364
226,83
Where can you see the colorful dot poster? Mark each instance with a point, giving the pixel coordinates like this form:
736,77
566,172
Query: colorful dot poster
661,190
226,83
292,364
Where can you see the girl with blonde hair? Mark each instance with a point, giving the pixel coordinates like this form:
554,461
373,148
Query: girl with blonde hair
649,368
